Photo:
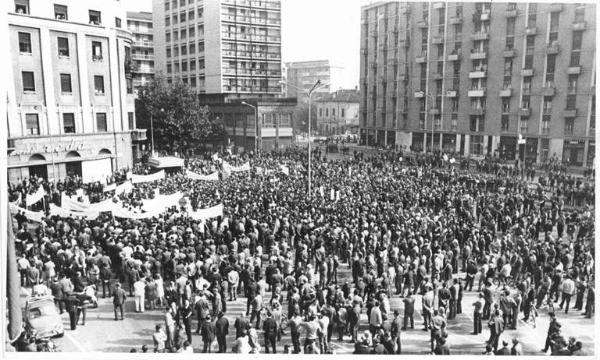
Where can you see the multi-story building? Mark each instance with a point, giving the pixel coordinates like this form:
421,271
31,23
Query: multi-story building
304,75
337,113
473,78
70,108
142,52
228,47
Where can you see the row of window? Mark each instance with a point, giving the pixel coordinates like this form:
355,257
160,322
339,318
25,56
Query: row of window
342,112
185,49
63,46
33,124
61,13
184,66
183,17
184,33
28,78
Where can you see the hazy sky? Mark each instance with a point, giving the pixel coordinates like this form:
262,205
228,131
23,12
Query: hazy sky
314,30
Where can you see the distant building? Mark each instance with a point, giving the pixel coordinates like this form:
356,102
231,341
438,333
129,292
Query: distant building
70,106
142,53
474,77
304,75
337,113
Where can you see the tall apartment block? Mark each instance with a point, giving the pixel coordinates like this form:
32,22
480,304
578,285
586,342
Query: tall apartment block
304,75
228,47
70,106
474,78
142,52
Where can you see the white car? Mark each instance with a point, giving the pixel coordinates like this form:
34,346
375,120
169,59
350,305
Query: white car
42,318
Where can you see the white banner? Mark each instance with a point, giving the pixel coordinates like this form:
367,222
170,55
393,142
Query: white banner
245,167
284,169
136,179
204,214
62,212
162,202
211,177
110,187
124,188
18,201
30,215
31,199
68,204
126,214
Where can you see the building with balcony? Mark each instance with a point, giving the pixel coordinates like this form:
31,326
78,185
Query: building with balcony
470,78
304,75
228,47
142,52
70,106
337,113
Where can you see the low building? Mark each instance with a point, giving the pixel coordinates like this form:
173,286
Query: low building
70,106
337,113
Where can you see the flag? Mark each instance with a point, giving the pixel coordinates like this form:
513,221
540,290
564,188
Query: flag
13,287
284,169
31,199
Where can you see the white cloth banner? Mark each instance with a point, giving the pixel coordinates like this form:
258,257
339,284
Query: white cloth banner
69,204
205,214
18,201
136,179
162,202
62,212
245,167
110,187
211,177
124,188
31,199
30,215
126,214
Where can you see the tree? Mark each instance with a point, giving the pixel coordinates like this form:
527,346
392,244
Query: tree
180,122
300,117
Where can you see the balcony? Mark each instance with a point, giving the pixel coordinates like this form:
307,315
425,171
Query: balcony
451,93
476,93
526,90
438,5
477,74
509,53
578,26
505,93
570,113
420,59
142,43
480,36
455,20
574,70
436,40
477,111
137,56
422,24
531,31
478,55
419,94
485,16
437,76
453,57
527,72
138,135
553,48
555,7
548,91
434,111
524,112
511,13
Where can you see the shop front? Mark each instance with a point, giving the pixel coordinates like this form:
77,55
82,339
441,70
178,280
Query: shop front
449,143
417,142
573,152
507,147
531,150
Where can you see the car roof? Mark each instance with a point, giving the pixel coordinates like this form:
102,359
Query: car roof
39,300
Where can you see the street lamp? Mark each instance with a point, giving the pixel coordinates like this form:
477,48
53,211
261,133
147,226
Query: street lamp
255,125
432,119
308,93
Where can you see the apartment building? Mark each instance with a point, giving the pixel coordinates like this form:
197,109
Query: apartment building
142,52
228,47
304,75
337,113
70,107
509,80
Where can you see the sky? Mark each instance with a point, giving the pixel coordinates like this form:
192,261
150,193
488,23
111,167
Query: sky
313,30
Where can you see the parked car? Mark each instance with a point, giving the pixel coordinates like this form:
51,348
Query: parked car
42,318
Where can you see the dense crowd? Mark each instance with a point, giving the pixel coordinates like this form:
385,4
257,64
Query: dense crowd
407,226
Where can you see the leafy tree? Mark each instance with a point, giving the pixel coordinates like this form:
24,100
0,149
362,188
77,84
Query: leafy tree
180,122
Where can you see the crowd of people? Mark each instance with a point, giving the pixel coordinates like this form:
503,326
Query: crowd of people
407,226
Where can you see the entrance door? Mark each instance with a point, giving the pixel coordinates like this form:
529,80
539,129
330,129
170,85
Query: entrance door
74,168
39,171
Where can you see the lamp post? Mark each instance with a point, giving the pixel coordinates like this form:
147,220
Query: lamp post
432,120
255,125
308,93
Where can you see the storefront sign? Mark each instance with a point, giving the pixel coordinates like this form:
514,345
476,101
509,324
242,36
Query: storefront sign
49,148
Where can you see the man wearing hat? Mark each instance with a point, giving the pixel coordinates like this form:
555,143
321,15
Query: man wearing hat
504,350
553,328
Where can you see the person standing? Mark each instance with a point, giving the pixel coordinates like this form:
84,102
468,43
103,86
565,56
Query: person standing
516,349
170,328
240,325
477,314
270,332
589,304
119,297
139,292
208,334
294,323
375,319
185,316
396,329
427,303
409,310
553,328
221,330
568,289
442,347
496,325
160,338
71,303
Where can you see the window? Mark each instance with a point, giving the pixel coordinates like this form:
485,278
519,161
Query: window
327,112
33,124
117,22
101,125
525,102
192,64
550,64
60,12
191,15
25,42
510,43
528,61
182,16
175,50
546,124
507,83
508,65
200,64
130,120
167,5
168,37
572,83
577,38
63,47
505,122
547,105
175,35
575,57
477,144
99,85
169,68
183,34
505,105
554,21
167,21
22,6
28,81
571,101
200,12
343,113
333,112
476,123
129,85
69,123
320,112
569,125
524,125
192,49
191,32
184,66
579,13
510,26
182,3
169,52
96,51
174,19
183,50
201,46
65,83
193,81
95,17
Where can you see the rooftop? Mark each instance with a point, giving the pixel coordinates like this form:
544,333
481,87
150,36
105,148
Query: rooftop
139,15
342,95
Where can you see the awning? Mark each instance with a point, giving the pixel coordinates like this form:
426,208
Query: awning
165,162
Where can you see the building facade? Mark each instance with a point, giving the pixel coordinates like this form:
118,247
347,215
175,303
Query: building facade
70,107
228,47
304,75
337,113
142,52
474,78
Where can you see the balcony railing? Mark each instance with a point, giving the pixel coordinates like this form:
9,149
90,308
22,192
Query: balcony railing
476,74
548,91
570,113
552,48
478,55
505,92
531,30
476,92
480,35
527,72
574,70
509,53
138,135
578,26
142,43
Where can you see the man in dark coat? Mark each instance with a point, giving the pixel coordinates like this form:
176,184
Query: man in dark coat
208,334
409,310
240,325
221,330
270,329
552,329
395,330
119,297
